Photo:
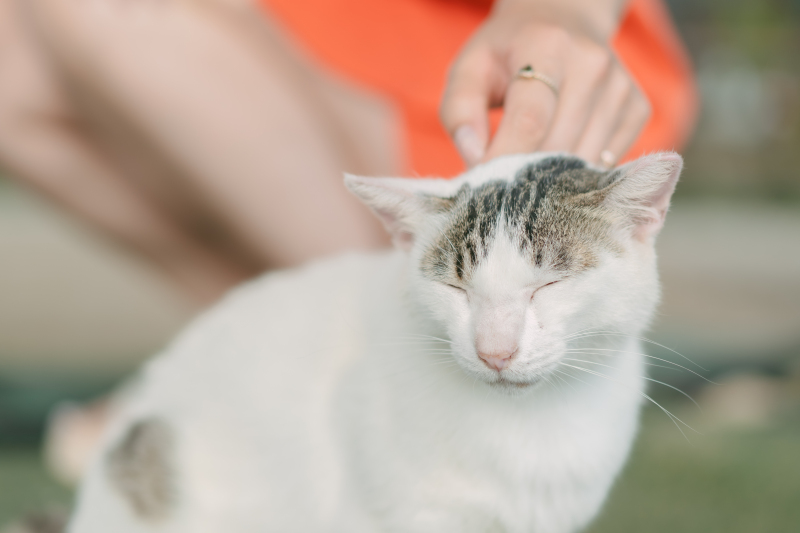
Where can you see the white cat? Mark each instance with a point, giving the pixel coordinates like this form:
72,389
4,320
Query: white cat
484,377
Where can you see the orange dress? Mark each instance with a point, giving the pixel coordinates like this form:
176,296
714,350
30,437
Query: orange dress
402,49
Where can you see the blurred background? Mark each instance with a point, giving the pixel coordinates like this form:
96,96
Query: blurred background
77,314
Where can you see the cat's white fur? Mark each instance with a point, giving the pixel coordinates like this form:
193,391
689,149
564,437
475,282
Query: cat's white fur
317,400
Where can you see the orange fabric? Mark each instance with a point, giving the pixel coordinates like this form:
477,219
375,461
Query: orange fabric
403,49
649,46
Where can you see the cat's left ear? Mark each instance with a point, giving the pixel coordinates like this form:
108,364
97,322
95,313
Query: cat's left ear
642,190
402,204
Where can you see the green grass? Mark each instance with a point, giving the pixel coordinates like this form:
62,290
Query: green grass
731,482
26,487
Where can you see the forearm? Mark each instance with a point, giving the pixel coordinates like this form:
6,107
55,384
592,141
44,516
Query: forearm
598,18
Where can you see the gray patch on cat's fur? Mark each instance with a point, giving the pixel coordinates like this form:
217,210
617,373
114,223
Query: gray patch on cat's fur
43,522
140,468
551,209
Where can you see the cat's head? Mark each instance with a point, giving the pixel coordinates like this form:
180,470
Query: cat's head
518,254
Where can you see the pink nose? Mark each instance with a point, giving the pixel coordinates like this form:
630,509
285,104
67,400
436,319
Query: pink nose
497,360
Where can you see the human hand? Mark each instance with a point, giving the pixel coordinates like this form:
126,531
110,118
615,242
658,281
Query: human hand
596,109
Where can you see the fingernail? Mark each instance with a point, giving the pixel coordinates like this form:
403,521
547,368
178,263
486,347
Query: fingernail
469,145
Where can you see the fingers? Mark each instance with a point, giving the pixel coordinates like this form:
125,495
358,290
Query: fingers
633,118
596,108
600,108
530,104
589,71
475,84
527,115
606,116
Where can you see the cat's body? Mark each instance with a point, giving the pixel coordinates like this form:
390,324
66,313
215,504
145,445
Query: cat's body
363,394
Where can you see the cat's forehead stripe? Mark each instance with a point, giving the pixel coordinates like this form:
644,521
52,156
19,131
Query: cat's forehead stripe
521,202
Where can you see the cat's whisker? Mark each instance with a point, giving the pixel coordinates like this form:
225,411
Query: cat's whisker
578,352
552,383
567,383
629,352
558,381
580,332
672,416
643,377
414,366
571,376
643,339
455,250
423,336
411,343
414,343
669,414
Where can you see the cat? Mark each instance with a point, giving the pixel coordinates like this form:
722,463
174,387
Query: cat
483,376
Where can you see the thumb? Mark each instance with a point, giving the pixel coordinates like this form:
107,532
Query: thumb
465,105
470,140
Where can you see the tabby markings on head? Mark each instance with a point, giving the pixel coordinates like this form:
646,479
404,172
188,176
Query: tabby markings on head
551,210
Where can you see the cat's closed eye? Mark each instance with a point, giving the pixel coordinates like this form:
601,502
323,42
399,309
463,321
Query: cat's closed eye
543,286
460,290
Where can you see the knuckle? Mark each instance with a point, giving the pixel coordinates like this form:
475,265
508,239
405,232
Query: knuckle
605,61
474,62
542,36
598,61
555,34
623,87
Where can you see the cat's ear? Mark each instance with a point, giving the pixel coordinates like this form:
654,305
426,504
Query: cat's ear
641,191
402,204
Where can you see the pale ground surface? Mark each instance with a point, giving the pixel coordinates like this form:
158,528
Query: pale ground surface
71,301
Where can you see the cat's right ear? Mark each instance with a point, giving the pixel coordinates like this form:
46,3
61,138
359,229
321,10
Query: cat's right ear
642,190
402,204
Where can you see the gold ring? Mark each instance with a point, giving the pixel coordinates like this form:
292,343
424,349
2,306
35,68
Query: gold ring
528,73
608,158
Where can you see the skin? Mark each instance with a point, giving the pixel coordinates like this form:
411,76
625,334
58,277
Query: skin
598,106
150,121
